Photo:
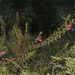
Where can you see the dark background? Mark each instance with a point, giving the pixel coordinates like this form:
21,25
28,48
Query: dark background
41,15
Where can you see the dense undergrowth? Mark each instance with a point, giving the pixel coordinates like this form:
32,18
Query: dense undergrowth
34,55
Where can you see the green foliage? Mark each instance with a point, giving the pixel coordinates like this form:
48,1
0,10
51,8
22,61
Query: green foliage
15,39
26,28
28,57
28,73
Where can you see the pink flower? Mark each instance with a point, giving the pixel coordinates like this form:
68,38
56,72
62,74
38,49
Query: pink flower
69,27
39,39
2,53
66,23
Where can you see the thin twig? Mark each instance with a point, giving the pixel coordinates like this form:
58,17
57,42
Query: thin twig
13,62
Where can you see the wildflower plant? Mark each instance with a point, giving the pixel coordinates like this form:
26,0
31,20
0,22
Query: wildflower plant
39,38
15,38
35,52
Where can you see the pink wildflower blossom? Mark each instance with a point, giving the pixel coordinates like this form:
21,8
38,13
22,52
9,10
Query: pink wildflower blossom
2,53
69,27
39,39
66,23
